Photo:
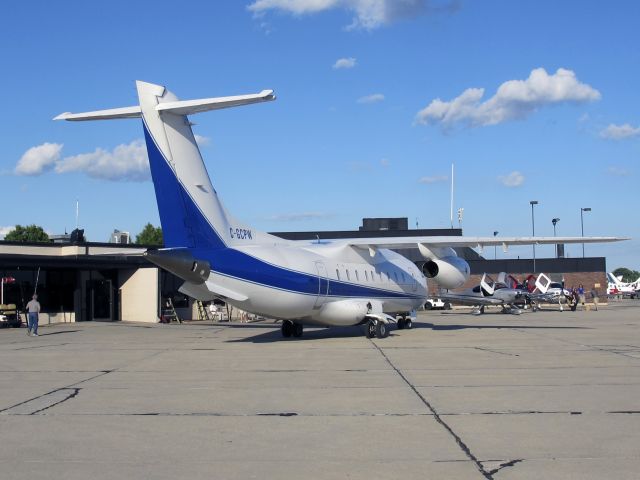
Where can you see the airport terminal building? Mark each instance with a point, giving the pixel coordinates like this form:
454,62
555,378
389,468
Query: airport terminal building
85,281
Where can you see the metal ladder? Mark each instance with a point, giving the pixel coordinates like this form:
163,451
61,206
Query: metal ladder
169,313
203,311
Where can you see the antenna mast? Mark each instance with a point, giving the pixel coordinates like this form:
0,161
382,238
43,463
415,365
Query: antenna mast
451,208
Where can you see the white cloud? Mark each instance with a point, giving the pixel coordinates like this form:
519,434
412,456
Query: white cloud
515,99
344,63
125,162
433,179
618,171
374,98
299,217
514,179
5,230
368,14
620,132
202,141
38,160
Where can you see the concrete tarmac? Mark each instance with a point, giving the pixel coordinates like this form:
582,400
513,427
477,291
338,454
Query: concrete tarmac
553,395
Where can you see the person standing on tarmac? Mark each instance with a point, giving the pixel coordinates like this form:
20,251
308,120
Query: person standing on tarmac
594,297
581,296
33,309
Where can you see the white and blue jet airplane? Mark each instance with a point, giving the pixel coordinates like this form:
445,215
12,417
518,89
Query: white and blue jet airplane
323,283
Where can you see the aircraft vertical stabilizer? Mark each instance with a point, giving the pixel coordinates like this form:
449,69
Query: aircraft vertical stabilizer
191,213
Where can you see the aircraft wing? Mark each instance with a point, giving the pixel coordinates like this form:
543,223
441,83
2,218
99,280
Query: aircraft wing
437,245
469,299
480,242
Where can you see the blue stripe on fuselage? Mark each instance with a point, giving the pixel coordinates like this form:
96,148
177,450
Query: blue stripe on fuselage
233,263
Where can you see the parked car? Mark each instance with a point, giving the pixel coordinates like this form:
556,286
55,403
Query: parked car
436,303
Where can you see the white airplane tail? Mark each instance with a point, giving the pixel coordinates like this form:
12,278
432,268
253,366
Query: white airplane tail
191,213
542,283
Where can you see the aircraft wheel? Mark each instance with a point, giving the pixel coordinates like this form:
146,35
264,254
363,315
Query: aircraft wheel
371,329
287,328
402,324
381,330
297,330
408,323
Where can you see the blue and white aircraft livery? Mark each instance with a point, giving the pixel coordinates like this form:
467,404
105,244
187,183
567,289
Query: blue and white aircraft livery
323,283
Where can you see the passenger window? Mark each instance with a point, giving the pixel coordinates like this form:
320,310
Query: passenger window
366,275
338,274
357,276
348,276
395,274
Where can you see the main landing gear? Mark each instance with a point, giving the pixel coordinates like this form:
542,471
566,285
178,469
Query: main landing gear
405,322
376,328
290,328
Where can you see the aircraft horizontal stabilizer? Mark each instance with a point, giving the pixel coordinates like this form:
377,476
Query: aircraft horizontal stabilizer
180,107
189,107
110,114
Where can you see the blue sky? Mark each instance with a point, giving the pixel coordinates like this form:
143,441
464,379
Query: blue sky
376,100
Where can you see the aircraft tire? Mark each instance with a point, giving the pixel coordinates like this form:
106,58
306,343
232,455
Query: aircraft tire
287,328
408,323
297,330
370,329
402,324
381,330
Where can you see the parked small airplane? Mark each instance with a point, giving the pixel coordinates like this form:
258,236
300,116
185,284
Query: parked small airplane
489,293
326,283
616,286
508,293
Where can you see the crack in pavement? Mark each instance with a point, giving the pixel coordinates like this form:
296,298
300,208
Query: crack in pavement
508,464
496,351
44,396
41,346
463,446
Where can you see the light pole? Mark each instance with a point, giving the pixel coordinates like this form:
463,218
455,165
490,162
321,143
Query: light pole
495,247
554,221
582,210
533,231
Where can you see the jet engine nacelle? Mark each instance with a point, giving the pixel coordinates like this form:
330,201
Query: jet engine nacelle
448,272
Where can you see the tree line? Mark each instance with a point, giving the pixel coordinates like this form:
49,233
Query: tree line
149,235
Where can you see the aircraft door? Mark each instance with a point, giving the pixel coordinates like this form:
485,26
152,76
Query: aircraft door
487,285
323,283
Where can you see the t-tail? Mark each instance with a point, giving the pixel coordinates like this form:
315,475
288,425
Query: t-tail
191,214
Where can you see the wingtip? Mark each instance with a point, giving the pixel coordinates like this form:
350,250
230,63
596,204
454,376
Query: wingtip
62,116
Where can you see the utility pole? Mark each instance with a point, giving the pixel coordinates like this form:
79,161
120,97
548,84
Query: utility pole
582,210
554,221
533,231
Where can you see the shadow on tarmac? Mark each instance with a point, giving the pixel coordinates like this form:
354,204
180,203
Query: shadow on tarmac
316,333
